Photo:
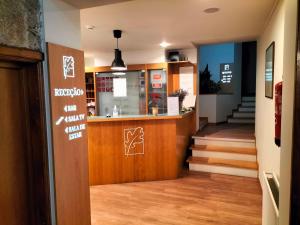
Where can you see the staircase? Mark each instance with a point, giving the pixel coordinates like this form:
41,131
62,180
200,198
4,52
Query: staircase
224,156
245,114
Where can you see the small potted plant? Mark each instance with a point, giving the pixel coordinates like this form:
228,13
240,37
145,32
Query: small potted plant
155,97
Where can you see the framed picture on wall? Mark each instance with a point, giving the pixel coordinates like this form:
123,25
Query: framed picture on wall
269,70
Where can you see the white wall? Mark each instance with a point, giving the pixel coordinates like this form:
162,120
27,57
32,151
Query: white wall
281,29
268,152
289,53
208,107
62,23
216,107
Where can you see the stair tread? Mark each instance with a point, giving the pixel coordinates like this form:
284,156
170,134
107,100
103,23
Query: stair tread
223,162
243,112
224,149
248,101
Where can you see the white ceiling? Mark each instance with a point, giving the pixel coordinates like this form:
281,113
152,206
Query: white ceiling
82,4
182,23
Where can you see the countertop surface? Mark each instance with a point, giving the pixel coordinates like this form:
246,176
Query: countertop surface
95,119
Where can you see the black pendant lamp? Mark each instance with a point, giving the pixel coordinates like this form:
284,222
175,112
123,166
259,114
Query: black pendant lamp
118,63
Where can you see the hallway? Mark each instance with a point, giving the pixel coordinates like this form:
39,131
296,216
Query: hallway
196,199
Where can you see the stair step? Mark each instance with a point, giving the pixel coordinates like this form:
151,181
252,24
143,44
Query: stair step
226,149
248,104
232,142
243,115
248,98
224,162
223,166
241,120
246,109
224,153
203,121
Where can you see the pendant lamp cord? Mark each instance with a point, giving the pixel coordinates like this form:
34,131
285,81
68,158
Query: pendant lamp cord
117,43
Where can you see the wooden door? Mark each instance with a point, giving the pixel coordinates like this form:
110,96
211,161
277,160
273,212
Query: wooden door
14,190
24,178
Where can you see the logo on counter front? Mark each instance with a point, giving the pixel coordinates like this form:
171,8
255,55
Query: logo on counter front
69,66
134,141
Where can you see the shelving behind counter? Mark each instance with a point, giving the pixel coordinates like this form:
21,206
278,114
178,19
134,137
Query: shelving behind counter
156,82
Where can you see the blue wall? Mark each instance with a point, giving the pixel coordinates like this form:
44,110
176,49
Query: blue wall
214,55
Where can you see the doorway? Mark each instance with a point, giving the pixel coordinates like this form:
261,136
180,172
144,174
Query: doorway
24,186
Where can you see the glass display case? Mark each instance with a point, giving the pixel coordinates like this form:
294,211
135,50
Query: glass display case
90,94
157,90
121,94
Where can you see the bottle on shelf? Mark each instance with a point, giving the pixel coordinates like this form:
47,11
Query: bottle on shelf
115,111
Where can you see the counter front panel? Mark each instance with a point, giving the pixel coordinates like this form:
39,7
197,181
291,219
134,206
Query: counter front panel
132,150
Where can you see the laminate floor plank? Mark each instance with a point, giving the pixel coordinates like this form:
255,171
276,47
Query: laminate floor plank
196,199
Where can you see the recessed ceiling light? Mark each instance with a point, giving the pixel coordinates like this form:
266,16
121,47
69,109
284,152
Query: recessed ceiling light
90,27
211,10
164,44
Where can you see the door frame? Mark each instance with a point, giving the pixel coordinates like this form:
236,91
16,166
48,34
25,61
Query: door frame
37,155
295,182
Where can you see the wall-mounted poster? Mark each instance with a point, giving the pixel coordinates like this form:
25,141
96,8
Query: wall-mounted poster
156,80
226,72
226,77
269,70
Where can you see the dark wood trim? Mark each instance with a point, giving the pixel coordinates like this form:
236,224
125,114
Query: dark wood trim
37,143
30,64
295,183
20,54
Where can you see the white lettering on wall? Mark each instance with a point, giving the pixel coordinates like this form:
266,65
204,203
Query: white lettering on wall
68,92
70,108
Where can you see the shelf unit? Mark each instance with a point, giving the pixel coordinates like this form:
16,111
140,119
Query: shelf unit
172,72
90,93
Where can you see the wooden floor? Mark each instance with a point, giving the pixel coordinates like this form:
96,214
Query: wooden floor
235,131
196,199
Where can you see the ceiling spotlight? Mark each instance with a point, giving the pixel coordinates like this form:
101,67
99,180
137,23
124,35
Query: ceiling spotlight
118,63
90,27
164,44
211,10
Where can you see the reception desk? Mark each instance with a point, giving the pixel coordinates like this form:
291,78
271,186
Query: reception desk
138,148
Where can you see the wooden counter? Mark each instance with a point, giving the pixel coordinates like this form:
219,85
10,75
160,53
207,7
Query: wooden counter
140,148
137,117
